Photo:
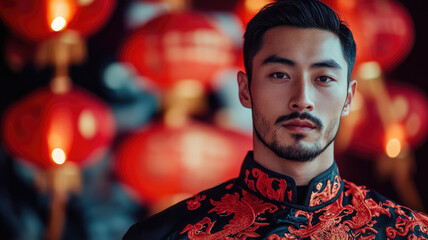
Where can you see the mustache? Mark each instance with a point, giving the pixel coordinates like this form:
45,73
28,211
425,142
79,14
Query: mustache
301,116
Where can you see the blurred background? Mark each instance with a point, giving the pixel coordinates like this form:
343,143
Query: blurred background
114,110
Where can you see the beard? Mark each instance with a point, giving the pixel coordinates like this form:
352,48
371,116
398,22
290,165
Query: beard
295,150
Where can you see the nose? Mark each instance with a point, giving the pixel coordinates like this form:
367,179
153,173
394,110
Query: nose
301,98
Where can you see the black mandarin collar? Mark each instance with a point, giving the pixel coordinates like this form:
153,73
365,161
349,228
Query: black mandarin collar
322,190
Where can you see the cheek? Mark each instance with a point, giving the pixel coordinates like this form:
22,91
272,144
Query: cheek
332,106
261,123
332,114
269,99
264,112
332,127
267,92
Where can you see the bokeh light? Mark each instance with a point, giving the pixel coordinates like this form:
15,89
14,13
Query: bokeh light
393,148
58,24
58,156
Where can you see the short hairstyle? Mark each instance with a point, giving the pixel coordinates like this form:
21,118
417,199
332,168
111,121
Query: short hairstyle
298,13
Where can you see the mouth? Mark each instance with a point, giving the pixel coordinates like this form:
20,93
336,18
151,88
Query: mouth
299,126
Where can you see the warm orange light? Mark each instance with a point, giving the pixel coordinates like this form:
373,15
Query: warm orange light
87,124
358,102
60,131
58,156
255,5
58,24
393,148
395,131
60,13
346,4
85,2
369,70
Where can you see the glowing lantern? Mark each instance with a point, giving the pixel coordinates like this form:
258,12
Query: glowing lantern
178,46
161,162
383,29
47,129
39,19
92,15
410,109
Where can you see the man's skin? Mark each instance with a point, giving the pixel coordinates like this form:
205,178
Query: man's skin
299,70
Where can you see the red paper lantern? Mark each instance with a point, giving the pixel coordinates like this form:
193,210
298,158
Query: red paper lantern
178,46
161,162
92,16
383,29
39,19
45,126
411,109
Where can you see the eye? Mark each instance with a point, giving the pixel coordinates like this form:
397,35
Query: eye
280,75
324,79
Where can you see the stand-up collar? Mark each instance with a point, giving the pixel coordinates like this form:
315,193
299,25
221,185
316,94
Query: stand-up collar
322,190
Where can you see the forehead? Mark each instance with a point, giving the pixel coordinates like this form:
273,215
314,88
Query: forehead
302,45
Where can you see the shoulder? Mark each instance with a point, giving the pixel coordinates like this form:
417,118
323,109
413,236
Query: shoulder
169,223
392,219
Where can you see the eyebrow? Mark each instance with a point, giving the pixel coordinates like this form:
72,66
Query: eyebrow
277,59
329,63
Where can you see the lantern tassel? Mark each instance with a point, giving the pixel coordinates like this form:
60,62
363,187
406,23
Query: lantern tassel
60,182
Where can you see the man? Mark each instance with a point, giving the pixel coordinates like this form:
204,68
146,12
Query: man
298,58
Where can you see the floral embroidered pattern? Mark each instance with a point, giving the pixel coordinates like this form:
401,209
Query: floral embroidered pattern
195,202
326,194
245,210
265,185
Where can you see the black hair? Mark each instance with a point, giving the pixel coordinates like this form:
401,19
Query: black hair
298,13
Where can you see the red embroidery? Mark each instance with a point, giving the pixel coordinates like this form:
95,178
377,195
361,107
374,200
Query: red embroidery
365,209
250,183
406,223
285,237
290,195
329,192
246,211
330,224
327,223
264,185
195,203
357,219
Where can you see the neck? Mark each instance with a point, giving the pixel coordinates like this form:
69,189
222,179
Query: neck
301,172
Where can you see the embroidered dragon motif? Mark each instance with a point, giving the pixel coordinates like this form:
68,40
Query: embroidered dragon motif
407,222
353,215
331,224
326,194
246,219
264,184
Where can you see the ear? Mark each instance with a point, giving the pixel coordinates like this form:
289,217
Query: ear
244,90
349,98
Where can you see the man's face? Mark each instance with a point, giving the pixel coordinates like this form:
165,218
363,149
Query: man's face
298,91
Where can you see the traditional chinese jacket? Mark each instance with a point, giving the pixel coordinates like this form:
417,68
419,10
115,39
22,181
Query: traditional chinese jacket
261,204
